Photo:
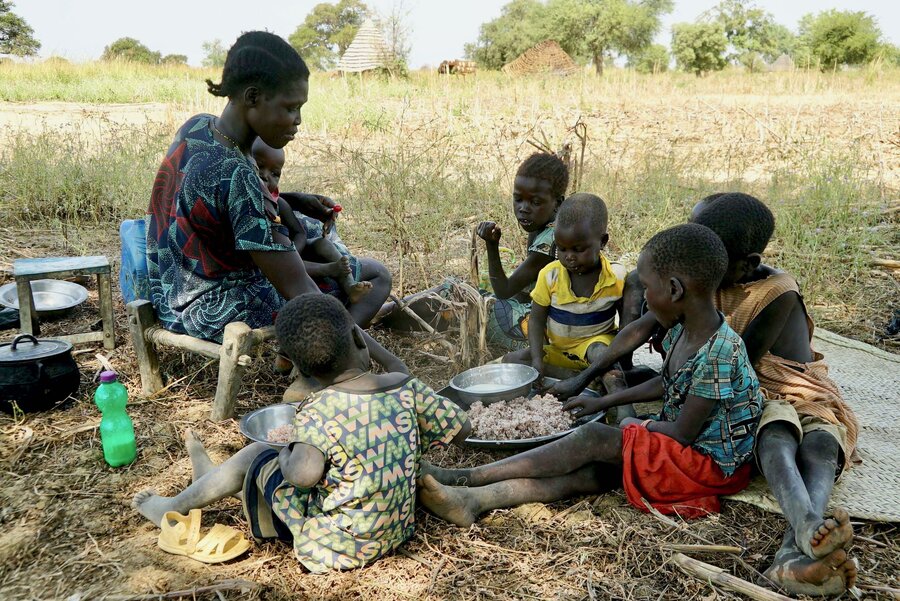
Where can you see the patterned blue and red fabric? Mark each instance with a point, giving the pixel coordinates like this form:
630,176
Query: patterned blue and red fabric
207,211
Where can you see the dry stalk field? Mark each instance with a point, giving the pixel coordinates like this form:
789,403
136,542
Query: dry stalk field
416,164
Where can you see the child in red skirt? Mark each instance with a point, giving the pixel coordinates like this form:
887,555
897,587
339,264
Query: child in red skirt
697,449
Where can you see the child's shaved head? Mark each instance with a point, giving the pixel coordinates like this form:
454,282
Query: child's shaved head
743,222
316,332
547,167
692,253
583,208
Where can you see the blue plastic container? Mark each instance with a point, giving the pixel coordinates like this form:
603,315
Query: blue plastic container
134,280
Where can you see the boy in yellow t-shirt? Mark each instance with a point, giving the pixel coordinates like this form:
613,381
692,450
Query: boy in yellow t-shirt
576,298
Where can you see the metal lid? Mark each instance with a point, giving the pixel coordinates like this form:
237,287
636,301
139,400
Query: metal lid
26,347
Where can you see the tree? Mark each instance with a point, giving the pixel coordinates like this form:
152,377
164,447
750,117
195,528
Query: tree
699,47
598,30
129,49
327,31
833,38
174,59
589,30
754,37
214,53
16,36
395,29
654,59
521,25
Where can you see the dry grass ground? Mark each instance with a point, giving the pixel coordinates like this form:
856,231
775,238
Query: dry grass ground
419,163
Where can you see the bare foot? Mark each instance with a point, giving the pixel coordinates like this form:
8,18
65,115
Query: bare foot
385,310
831,534
800,575
356,291
614,380
454,505
336,269
151,505
200,461
447,476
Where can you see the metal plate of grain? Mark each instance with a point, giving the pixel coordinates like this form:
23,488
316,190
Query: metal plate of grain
522,444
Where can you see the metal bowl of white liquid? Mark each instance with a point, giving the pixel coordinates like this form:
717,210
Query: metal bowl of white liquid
494,382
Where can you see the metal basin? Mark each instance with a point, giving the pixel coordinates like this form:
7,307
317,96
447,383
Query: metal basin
256,424
52,298
522,444
494,382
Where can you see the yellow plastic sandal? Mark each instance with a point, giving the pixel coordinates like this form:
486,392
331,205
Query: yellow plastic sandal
179,533
221,543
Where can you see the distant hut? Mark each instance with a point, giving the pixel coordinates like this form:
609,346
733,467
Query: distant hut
457,67
367,52
782,63
546,57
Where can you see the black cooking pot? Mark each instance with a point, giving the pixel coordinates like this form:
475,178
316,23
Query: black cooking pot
36,374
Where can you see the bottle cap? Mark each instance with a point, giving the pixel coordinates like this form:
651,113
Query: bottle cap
108,376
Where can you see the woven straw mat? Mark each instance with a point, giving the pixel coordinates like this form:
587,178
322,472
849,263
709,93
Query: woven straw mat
870,380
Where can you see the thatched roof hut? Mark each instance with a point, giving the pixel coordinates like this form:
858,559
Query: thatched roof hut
782,63
545,57
368,50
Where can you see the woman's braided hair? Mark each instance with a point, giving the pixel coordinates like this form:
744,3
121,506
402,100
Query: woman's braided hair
259,58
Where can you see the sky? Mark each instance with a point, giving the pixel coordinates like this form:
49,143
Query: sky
80,29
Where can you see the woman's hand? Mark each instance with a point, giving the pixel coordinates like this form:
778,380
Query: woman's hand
312,205
331,211
585,405
489,231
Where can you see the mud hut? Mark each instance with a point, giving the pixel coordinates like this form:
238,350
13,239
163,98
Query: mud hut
545,57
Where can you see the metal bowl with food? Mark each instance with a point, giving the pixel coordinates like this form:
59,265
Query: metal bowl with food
494,382
273,421
521,444
52,298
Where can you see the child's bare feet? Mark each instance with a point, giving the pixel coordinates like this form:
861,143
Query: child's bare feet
200,461
801,575
356,291
819,540
448,476
151,505
337,269
454,505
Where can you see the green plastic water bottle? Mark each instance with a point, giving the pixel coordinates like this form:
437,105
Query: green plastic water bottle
116,429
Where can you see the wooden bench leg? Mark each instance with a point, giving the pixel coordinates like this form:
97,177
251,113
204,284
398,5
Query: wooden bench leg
28,318
237,341
104,291
140,319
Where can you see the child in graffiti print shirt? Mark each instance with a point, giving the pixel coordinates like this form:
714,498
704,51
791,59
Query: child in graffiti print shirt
370,429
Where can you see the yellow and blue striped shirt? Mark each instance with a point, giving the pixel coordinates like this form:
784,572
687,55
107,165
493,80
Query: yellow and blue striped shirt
573,319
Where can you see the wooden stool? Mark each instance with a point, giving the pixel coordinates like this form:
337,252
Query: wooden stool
26,270
238,341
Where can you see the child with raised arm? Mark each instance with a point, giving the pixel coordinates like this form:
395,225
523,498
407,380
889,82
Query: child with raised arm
538,190
344,489
322,257
681,461
807,434
577,297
